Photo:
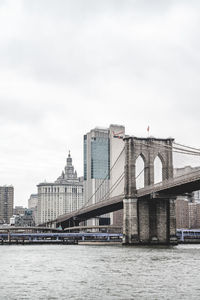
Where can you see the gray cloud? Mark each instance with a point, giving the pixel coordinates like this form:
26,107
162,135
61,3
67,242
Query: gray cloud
67,66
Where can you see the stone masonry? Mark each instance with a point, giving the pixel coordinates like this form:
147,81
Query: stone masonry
148,220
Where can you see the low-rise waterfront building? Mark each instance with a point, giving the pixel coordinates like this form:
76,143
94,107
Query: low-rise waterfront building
19,210
23,220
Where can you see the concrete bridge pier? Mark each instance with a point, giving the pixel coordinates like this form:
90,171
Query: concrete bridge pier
130,222
149,221
172,222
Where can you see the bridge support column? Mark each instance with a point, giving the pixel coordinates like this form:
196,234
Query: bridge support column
130,222
172,222
161,233
149,221
143,216
163,228
153,220
166,221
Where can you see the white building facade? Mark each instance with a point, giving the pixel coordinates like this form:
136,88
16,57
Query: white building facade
63,196
117,162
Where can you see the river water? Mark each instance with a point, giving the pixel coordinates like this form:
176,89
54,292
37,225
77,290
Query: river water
99,272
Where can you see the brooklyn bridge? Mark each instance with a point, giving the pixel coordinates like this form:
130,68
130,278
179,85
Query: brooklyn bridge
148,212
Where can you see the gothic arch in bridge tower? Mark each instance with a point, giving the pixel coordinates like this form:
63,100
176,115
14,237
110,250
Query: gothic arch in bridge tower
139,170
158,169
148,149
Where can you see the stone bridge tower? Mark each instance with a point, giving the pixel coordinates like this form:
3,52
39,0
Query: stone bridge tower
149,220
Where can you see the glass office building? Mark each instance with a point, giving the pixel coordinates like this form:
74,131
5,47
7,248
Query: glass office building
100,158
96,155
96,168
101,148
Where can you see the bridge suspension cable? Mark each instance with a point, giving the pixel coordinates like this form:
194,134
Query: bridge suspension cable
139,173
117,182
121,177
187,146
174,149
190,151
169,148
107,176
179,149
155,145
113,187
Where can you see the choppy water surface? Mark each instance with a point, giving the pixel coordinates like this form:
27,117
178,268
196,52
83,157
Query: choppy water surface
99,272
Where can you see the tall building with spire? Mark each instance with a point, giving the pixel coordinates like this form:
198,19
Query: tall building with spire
60,197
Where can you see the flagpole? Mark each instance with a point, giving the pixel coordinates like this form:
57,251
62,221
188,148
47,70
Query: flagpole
148,130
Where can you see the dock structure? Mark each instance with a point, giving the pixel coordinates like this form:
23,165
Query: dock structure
42,235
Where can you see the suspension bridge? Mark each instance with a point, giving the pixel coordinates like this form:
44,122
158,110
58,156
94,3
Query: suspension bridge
148,212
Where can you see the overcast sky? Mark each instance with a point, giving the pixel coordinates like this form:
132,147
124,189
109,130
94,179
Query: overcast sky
67,66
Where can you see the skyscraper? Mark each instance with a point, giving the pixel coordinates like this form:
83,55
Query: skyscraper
101,148
6,203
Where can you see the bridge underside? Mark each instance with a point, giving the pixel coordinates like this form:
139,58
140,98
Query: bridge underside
146,220
164,192
81,217
149,221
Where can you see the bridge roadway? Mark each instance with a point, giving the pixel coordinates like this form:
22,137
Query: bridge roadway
174,187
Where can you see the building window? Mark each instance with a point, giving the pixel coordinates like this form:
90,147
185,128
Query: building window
74,190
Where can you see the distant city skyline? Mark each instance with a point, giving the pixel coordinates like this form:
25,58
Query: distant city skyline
72,66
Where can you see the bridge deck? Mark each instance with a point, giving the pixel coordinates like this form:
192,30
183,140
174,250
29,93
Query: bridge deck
176,186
